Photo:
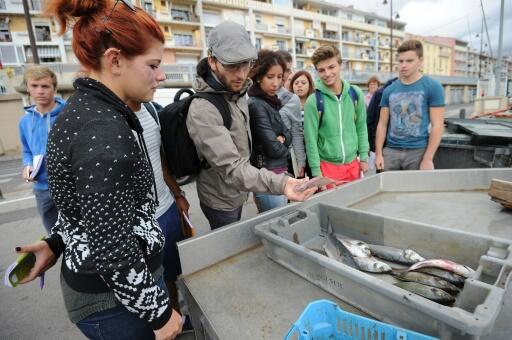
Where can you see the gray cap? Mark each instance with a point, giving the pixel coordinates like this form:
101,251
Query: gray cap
230,43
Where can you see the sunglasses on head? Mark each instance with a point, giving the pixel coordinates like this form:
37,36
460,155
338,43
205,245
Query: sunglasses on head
128,4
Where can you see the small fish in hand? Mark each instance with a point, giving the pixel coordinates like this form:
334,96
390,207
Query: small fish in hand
445,265
404,256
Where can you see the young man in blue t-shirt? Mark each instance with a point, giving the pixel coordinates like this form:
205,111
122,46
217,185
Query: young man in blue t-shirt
410,105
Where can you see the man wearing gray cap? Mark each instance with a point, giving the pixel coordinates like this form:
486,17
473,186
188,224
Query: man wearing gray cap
223,187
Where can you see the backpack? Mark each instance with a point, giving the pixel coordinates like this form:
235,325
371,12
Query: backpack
320,102
153,111
179,149
373,114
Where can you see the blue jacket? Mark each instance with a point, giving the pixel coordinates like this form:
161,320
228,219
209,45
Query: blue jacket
34,135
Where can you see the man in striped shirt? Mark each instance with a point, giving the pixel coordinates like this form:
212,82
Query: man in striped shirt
171,199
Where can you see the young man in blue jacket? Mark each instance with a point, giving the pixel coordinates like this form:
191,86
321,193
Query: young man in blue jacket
34,128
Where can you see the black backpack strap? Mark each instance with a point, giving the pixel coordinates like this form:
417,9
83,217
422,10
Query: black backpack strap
152,111
319,106
220,104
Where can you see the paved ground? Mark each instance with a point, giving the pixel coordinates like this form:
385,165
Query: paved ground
27,312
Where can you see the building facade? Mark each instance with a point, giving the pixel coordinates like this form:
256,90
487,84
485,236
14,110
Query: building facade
296,26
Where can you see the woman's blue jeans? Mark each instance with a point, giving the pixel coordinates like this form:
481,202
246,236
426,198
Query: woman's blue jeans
117,323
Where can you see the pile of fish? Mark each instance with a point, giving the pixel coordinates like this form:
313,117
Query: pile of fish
437,280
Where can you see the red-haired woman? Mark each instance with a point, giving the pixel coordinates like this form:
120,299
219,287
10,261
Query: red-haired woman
101,180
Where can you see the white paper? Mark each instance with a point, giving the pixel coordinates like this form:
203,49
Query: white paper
37,162
188,221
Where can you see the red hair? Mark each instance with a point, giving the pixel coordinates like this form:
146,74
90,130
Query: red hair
98,28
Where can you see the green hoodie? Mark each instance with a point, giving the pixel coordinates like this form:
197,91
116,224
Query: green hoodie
341,138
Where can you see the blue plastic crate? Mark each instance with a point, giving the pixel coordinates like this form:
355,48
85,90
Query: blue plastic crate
323,319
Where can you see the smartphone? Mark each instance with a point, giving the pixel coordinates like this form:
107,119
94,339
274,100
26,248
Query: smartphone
314,182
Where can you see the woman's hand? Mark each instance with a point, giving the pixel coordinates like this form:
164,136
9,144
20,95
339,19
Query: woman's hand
45,259
171,329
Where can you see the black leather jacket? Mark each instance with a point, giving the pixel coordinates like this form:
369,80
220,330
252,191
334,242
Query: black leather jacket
266,126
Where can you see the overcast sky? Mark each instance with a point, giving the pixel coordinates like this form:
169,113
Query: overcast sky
452,18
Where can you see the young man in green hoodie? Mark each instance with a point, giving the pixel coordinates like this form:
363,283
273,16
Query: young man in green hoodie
336,137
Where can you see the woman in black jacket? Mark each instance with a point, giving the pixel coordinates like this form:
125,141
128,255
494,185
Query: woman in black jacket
101,180
271,138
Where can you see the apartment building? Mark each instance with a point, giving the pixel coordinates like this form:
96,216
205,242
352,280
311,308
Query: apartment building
297,26
14,40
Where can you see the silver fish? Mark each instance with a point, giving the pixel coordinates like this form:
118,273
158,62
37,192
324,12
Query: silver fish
453,278
431,293
372,265
404,256
337,251
429,280
445,265
356,247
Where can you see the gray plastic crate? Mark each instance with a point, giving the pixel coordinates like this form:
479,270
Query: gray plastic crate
287,238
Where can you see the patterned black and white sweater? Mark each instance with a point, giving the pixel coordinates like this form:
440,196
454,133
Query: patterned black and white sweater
101,182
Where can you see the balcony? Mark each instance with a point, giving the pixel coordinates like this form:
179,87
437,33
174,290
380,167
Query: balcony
183,16
331,36
282,29
229,3
261,26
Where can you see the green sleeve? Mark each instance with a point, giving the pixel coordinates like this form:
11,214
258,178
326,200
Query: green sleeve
361,127
311,135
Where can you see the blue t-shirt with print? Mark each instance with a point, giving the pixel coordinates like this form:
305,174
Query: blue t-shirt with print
409,111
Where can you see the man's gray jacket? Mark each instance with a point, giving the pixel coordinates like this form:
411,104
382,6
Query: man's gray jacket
225,185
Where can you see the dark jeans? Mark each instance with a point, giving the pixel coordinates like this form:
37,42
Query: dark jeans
117,323
46,208
220,218
170,223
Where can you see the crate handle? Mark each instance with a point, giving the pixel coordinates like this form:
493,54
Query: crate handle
292,218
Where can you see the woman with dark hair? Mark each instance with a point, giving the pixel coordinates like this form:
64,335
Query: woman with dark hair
101,180
302,85
271,138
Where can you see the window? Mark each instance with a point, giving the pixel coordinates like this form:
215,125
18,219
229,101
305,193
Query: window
36,5
42,32
5,34
207,32
2,4
257,17
300,64
47,54
183,39
8,55
211,18
258,44
281,44
148,7
180,15
299,47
